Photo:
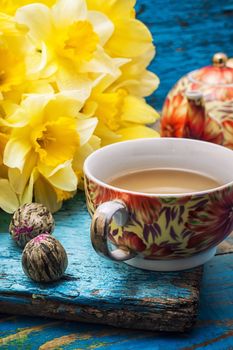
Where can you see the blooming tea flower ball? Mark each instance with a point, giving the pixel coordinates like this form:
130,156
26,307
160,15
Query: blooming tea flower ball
29,221
44,259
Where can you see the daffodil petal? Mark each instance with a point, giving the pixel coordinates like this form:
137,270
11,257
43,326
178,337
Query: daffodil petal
63,104
136,110
17,119
90,108
65,12
140,62
94,143
50,69
34,105
114,9
3,142
105,134
70,82
27,196
100,63
64,179
39,87
45,194
84,151
124,8
9,107
15,115
10,6
131,38
8,199
80,156
31,108
142,85
78,95
48,171
16,151
137,132
149,82
18,182
106,80
103,27
37,18
85,128
19,179
36,62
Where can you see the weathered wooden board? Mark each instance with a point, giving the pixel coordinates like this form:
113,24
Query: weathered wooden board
213,330
94,289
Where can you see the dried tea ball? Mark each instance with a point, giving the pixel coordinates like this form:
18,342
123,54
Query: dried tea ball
29,221
44,259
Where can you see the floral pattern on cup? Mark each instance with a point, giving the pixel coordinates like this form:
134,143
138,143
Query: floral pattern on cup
212,222
167,227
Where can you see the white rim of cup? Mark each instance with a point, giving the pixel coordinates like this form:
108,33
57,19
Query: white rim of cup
152,195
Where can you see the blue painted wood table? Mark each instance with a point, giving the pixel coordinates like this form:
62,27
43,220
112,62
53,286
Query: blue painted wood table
94,289
213,330
186,35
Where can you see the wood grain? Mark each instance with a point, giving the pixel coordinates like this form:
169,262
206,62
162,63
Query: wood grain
94,289
213,330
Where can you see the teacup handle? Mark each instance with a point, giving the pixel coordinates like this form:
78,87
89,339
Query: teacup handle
101,220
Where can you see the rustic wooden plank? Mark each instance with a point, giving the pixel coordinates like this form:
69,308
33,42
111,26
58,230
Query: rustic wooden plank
213,330
119,296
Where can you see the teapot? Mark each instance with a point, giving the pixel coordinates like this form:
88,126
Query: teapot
200,105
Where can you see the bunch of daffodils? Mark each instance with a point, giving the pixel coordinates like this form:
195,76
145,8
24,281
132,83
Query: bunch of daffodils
73,77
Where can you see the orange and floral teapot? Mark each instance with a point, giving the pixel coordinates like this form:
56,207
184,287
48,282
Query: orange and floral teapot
200,105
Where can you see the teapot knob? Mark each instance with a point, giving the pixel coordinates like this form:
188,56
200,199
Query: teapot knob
220,59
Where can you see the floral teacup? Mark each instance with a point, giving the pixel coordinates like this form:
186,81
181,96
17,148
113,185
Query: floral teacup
163,232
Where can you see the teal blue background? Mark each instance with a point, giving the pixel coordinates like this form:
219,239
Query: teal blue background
186,34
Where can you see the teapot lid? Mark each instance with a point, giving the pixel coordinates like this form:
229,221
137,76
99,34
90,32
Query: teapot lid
219,73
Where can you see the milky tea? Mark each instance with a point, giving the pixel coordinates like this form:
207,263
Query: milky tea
164,181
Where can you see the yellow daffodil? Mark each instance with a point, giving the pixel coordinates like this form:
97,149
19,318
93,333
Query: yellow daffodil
120,114
119,104
130,39
135,77
71,40
48,132
52,196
